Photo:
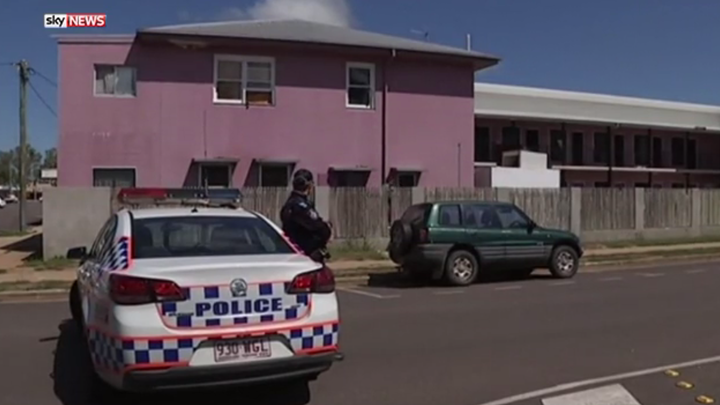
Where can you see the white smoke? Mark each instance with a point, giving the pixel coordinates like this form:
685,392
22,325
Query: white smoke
335,12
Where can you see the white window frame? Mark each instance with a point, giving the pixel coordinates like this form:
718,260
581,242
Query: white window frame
244,60
115,66
360,65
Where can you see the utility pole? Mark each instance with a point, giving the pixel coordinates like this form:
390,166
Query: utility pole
24,71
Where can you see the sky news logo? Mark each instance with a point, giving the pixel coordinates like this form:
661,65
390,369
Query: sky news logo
74,20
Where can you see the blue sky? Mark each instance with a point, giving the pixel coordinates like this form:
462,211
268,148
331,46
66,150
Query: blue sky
665,49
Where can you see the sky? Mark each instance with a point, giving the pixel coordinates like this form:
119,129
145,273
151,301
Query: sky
665,49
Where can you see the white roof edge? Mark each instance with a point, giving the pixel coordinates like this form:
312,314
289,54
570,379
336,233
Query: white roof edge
592,97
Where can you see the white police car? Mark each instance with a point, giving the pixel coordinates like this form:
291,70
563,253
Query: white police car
192,295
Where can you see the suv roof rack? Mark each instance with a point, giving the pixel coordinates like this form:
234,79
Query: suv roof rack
195,197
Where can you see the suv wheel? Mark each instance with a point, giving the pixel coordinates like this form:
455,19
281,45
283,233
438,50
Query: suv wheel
564,262
401,237
461,268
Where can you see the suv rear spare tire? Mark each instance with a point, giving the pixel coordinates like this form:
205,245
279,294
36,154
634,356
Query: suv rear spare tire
564,262
461,268
401,238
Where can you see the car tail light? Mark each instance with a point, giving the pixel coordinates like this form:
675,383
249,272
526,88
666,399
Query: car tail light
317,281
129,290
423,236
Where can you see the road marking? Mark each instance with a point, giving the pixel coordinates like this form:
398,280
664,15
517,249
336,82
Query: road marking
367,294
614,394
452,292
509,287
611,279
600,380
561,283
650,275
696,271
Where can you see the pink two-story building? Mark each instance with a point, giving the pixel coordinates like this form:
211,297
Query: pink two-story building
246,103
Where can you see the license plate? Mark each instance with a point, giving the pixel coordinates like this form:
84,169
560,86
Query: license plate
239,349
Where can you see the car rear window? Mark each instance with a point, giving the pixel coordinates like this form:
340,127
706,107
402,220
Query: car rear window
417,214
165,237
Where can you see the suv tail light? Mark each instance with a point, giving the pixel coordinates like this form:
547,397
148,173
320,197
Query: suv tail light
317,281
423,236
127,290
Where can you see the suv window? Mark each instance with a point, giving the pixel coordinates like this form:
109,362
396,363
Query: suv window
416,214
481,216
511,217
449,215
165,237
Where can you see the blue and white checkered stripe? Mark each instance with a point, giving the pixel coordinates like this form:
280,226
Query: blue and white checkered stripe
182,314
116,354
118,256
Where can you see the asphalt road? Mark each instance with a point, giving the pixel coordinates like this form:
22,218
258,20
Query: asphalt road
9,215
441,346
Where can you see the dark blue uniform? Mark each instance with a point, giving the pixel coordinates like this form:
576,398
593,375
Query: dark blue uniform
302,224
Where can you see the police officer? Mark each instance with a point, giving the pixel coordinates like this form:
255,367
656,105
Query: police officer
301,223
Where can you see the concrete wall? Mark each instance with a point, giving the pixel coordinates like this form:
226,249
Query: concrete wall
73,216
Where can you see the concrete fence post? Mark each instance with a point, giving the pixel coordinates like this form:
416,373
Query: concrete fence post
576,210
639,210
322,201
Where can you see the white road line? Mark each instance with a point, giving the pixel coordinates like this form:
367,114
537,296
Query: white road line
696,271
451,292
366,294
600,380
650,275
561,283
509,287
614,394
611,279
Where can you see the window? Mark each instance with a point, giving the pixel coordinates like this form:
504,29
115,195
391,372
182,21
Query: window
360,85
481,216
691,154
678,151
215,175
601,147
557,146
678,185
642,150
642,185
277,175
619,151
510,138
449,215
602,184
244,80
532,140
657,152
578,148
104,238
348,178
482,144
512,218
114,177
202,236
115,80
407,179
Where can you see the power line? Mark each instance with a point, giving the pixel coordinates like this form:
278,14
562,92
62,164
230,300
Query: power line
42,100
34,72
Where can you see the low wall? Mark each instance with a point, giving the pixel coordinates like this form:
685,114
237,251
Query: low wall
73,216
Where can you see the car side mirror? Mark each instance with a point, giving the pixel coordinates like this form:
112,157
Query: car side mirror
77,253
531,226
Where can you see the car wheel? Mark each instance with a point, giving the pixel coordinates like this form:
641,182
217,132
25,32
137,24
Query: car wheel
401,237
461,268
564,262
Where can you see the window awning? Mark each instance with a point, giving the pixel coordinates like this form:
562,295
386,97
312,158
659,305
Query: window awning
363,169
275,161
217,160
407,169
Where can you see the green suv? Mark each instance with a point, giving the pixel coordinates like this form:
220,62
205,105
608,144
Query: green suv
456,240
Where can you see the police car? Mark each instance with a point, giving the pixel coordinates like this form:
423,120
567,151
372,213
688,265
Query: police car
193,295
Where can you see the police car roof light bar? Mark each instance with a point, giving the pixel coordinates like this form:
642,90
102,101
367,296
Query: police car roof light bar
213,196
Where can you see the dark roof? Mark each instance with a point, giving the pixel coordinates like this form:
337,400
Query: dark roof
312,32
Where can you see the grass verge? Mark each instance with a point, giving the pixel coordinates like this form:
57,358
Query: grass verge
659,255
355,250
54,264
34,285
653,242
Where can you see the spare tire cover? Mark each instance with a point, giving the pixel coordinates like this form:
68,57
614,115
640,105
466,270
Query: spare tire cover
401,238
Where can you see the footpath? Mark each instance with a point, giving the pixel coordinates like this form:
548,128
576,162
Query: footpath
21,271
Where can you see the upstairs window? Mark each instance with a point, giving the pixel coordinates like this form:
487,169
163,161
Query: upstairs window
115,80
360,85
244,80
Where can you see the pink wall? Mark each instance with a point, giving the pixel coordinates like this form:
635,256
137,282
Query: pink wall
708,145
173,118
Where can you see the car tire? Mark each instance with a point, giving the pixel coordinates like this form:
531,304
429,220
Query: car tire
461,268
564,262
75,306
401,237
